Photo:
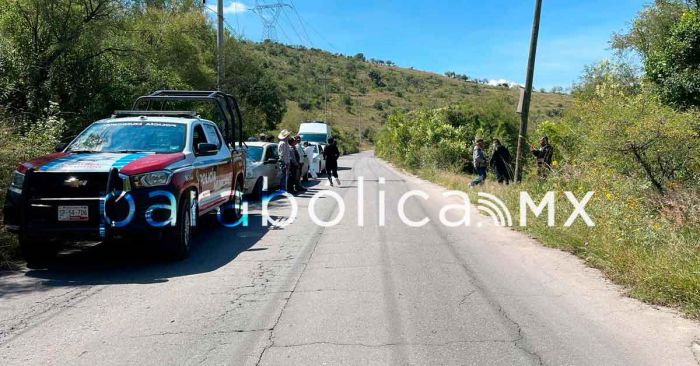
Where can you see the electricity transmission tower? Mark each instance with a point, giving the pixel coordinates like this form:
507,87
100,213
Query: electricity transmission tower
269,14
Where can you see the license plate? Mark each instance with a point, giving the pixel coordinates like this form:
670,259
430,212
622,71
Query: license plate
73,213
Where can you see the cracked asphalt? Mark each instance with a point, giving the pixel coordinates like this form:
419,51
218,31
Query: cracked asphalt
340,295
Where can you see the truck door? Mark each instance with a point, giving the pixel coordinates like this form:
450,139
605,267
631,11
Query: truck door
214,172
271,160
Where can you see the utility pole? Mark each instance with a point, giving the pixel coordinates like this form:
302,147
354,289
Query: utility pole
220,44
525,113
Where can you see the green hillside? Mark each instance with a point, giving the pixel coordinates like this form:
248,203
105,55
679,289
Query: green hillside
362,94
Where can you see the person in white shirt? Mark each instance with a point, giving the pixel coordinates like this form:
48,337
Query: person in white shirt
309,152
285,152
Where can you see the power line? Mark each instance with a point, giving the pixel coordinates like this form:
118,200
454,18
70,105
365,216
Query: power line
301,22
227,25
291,24
310,26
286,36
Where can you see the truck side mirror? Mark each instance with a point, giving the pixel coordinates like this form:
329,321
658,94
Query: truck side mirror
60,147
207,149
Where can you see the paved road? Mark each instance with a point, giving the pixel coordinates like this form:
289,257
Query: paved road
345,294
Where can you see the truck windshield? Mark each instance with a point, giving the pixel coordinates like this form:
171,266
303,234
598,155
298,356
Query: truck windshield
315,137
122,137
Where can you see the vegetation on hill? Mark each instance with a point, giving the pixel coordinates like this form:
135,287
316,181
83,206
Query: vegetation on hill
362,94
632,139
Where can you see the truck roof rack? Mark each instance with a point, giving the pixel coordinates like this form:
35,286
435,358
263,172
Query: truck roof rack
147,113
225,105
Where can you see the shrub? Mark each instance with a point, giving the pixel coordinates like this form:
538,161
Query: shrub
443,138
21,144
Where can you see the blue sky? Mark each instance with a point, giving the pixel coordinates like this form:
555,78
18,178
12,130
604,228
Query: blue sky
481,38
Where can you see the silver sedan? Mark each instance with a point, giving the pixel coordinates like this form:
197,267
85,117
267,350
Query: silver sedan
262,161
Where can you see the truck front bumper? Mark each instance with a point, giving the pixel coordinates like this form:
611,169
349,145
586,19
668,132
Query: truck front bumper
134,217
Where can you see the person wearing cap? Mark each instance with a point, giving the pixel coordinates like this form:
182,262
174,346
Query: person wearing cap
544,157
285,153
480,164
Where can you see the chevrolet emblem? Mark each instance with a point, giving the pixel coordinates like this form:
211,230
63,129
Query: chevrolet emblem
74,182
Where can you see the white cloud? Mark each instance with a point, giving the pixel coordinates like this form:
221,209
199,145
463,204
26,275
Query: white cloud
503,81
231,8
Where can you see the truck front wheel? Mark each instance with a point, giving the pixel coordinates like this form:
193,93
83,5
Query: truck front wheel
181,235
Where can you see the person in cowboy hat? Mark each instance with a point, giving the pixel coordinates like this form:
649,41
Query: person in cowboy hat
285,153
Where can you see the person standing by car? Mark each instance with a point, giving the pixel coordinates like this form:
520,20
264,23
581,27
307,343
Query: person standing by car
544,157
309,152
500,162
479,161
285,153
295,166
302,161
331,153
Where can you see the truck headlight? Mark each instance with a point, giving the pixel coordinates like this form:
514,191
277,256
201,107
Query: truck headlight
153,179
17,182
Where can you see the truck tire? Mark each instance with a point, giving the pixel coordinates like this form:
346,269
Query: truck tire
181,235
36,252
237,199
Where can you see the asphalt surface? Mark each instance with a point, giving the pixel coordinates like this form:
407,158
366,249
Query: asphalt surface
310,295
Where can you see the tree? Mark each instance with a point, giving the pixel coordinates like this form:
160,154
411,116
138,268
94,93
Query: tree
55,44
607,72
376,77
652,26
667,37
305,105
636,135
91,57
675,68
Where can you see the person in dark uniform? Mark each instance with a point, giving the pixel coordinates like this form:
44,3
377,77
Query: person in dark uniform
544,157
294,184
500,162
331,154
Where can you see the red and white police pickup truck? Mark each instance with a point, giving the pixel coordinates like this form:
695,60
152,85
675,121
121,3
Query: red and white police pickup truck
140,174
